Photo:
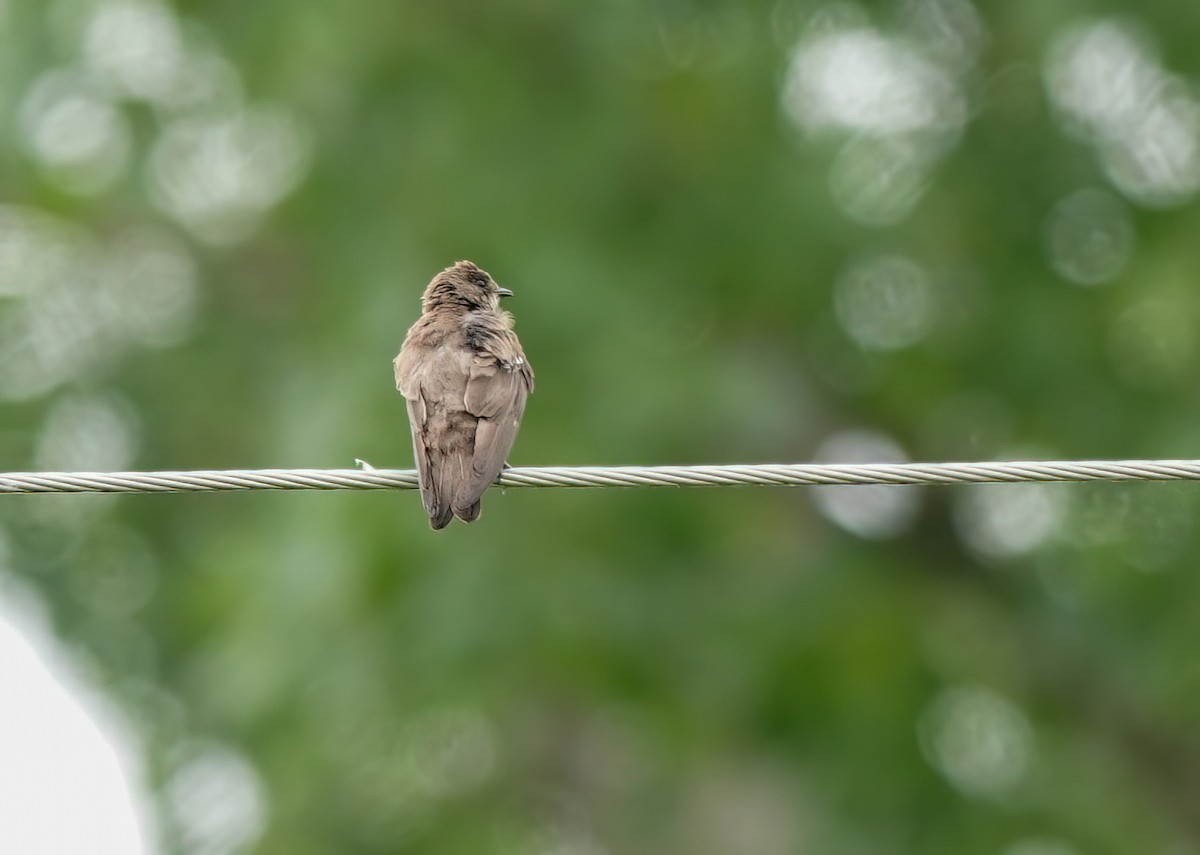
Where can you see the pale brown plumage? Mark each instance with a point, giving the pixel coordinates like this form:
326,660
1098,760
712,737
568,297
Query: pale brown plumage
465,378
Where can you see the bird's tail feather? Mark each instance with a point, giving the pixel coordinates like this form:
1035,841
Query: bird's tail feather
450,493
470,513
433,497
463,495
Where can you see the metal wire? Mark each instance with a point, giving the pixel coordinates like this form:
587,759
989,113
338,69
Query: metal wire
764,475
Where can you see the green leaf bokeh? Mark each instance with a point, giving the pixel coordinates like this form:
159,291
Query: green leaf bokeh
737,232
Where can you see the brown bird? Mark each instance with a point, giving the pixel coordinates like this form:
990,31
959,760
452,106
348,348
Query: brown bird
465,378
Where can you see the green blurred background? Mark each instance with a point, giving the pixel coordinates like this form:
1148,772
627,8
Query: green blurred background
737,232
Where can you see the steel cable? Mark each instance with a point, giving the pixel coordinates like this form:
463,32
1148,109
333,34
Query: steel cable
765,475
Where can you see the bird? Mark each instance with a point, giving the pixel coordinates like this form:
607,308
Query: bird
465,379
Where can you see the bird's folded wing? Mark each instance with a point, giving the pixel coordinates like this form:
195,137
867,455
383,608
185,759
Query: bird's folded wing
418,416
496,395
404,366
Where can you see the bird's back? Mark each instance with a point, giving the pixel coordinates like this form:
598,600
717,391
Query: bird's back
466,380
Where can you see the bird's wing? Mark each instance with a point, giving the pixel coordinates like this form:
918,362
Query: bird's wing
408,366
435,504
405,366
499,385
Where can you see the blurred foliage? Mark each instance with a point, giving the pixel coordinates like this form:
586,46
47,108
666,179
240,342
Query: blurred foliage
737,232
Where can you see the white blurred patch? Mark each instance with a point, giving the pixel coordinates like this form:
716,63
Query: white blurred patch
1107,83
45,342
871,512
152,287
1089,237
215,800
884,303
134,45
54,333
37,251
1099,74
81,305
69,776
88,432
79,137
897,99
978,739
879,180
1008,520
860,80
217,176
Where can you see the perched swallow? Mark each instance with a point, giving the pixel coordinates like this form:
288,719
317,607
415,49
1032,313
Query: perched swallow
465,378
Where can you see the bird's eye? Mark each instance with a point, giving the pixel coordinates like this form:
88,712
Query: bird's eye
480,281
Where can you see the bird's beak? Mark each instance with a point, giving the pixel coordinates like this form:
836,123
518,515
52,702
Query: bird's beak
503,292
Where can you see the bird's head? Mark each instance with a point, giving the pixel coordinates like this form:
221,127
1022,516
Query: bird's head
463,286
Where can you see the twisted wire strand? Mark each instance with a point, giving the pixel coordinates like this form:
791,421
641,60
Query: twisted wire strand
764,475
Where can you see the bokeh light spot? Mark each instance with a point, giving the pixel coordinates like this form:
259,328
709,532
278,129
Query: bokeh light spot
36,251
79,305
1008,520
79,137
216,800
87,432
217,176
879,180
136,46
54,333
1089,237
861,80
152,285
1106,82
978,739
884,303
871,512
898,100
